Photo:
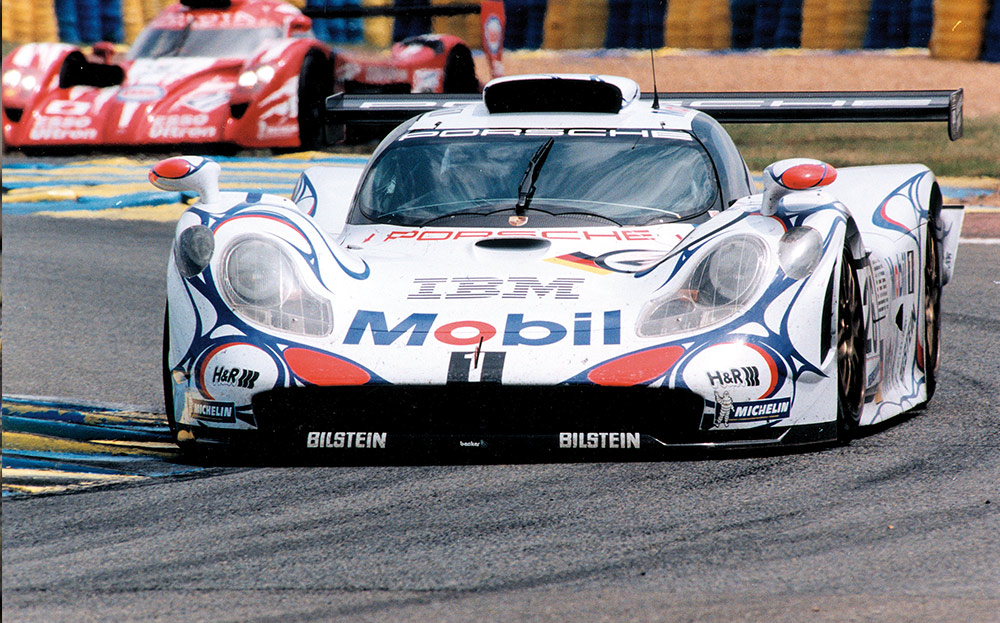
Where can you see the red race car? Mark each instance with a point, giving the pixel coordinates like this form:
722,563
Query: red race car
245,73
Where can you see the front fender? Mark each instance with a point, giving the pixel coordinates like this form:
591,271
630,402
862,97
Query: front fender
29,72
891,200
265,114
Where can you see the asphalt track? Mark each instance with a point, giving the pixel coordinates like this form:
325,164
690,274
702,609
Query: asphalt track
901,525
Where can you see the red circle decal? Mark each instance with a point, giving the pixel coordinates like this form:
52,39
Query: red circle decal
322,369
445,333
636,368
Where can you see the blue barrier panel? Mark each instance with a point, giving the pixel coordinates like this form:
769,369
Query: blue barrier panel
354,29
877,24
788,33
525,24
410,26
765,23
898,34
322,26
741,13
652,16
618,24
635,23
66,20
338,30
112,25
991,35
921,23
888,24
88,20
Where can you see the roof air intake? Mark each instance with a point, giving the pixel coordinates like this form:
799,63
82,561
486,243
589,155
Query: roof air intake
552,94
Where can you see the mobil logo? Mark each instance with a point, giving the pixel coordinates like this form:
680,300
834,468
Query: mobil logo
582,329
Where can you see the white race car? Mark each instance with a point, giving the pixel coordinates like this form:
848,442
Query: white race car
566,264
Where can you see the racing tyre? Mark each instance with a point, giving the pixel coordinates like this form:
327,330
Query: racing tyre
460,72
315,85
168,386
850,351
932,307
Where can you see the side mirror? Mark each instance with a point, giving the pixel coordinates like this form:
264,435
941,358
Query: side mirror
104,50
192,173
787,176
299,25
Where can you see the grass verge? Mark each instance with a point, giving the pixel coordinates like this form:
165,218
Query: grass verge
851,144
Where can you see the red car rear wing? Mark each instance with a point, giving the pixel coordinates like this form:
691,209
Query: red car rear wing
492,20
748,107
351,12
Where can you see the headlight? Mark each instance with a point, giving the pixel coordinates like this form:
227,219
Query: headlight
722,284
247,79
799,251
193,250
260,282
251,78
12,78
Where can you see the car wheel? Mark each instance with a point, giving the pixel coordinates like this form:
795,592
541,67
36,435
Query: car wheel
850,352
315,85
932,308
168,386
460,72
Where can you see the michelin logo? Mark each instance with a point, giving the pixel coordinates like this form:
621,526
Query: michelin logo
728,411
211,410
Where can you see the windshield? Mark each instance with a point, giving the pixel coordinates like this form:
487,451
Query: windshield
622,180
212,43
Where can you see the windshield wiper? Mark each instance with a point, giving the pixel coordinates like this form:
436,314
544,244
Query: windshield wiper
527,187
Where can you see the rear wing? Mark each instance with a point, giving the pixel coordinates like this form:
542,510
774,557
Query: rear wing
750,107
492,20
825,106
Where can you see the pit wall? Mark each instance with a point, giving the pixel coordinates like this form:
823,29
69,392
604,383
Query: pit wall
951,29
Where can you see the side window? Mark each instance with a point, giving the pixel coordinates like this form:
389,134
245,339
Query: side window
734,176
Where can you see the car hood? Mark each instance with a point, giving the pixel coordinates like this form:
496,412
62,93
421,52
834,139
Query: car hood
165,100
496,270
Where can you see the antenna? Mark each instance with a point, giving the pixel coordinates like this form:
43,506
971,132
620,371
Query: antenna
652,60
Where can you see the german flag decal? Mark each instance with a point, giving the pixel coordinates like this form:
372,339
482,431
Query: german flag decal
581,261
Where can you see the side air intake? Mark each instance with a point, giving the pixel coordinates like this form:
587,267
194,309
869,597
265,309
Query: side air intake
552,94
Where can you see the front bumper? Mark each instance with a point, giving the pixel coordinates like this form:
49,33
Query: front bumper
487,418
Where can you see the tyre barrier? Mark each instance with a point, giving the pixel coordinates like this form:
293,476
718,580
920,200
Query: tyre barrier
834,25
951,29
577,24
958,28
698,24
466,27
